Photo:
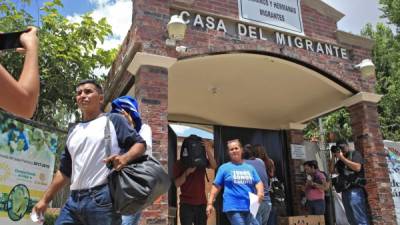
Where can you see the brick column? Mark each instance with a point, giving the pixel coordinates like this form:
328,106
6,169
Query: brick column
368,140
296,176
151,92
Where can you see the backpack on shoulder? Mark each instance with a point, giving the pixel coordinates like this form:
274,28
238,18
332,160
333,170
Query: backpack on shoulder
193,153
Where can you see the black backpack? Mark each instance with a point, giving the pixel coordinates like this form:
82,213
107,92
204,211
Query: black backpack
193,153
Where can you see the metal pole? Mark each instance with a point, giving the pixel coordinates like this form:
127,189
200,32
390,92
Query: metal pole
330,213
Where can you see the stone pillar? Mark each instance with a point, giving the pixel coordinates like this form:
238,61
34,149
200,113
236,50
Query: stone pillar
296,176
368,140
151,92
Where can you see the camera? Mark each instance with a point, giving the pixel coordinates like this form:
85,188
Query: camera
335,149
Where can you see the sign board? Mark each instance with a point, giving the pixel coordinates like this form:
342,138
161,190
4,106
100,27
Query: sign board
283,15
27,159
238,30
298,151
393,160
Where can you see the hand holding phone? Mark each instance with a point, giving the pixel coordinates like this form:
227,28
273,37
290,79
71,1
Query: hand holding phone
10,40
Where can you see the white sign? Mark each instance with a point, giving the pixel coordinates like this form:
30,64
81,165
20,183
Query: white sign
27,158
298,151
283,15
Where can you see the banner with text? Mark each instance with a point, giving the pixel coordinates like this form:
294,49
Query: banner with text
27,159
284,15
393,160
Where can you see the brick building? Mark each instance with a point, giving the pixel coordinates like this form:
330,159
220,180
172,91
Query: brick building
258,70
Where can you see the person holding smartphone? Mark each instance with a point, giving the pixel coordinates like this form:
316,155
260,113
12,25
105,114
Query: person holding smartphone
20,97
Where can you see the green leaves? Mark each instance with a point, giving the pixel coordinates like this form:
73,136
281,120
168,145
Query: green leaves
69,52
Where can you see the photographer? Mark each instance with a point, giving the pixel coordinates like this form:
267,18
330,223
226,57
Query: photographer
20,97
351,181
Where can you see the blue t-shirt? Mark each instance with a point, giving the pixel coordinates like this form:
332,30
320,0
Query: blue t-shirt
238,180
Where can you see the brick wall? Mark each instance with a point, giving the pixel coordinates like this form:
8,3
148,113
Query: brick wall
296,175
151,94
368,140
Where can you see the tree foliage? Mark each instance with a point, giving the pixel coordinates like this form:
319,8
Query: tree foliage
69,52
386,57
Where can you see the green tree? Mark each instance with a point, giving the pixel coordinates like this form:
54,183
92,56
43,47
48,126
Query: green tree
69,52
386,57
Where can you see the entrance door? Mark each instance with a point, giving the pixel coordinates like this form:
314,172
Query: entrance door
273,141
172,156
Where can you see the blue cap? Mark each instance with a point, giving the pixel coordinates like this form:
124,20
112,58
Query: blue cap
130,105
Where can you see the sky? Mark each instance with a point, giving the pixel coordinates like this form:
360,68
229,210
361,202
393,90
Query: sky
119,15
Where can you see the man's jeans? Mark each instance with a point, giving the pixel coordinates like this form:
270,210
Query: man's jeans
355,206
241,218
89,207
263,212
131,219
316,207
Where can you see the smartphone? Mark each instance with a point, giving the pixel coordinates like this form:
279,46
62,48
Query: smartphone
10,40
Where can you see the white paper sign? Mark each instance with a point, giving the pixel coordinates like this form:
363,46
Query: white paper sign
254,204
298,151
284,15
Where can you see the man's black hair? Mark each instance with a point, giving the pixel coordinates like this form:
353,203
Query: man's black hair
91,81
341,142
311,163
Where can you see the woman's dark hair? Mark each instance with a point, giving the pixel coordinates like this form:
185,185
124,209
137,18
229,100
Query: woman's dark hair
260,152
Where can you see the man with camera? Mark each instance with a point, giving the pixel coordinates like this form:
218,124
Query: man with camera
351,181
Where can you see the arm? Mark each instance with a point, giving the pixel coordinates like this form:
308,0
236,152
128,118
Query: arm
59,181
128,139
355,166
213,194
260,191
119,161
182,179
26,89
322,187
210,154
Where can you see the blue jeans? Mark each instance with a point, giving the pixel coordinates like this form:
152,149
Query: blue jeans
131,219
316,207
263,212
355,206
241,218
89,207
273,216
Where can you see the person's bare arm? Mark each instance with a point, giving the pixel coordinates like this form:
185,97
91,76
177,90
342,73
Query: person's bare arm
353,165
59,181
210,154
20,97
213,194
260,191
119,161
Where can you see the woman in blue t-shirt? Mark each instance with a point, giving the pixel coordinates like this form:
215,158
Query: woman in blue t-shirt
238,179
